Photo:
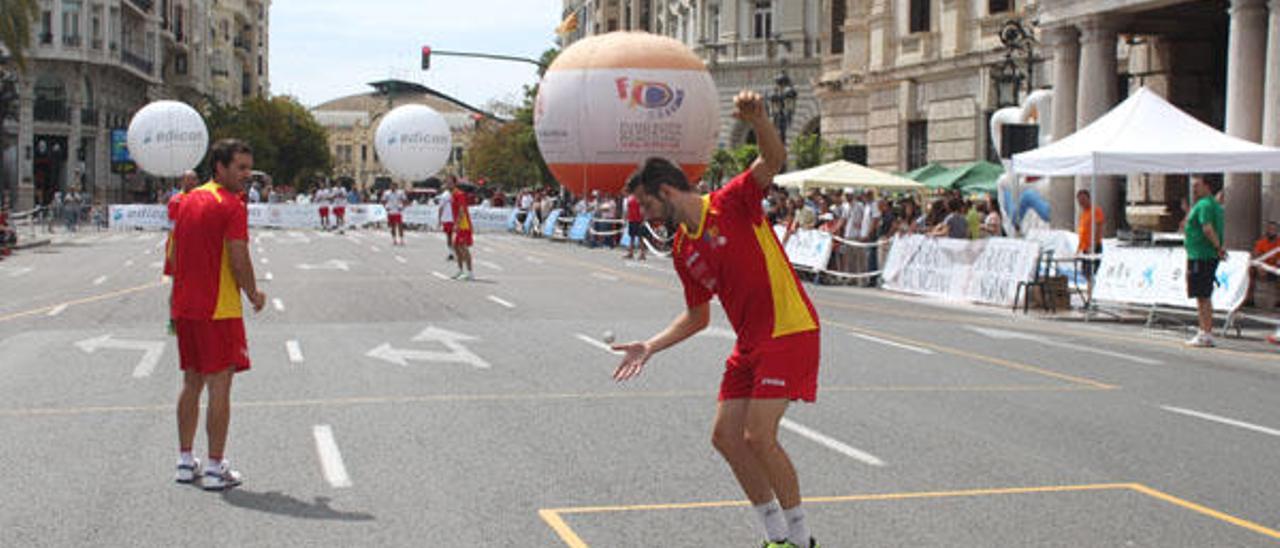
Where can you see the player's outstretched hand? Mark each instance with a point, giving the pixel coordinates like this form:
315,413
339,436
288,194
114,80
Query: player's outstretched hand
259,300
636,353
748,106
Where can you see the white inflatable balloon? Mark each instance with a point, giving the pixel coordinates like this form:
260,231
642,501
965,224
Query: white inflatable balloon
167,138
413,142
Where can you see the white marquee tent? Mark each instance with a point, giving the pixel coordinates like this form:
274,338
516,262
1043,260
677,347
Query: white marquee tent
844,174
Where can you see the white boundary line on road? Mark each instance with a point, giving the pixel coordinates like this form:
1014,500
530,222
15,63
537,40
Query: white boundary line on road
501,301
1222,420
330,458
266,260
491,265
99,280
269,276
533,259
402,260
832,443
885,342
294,350
593,342
278,304
128,263
605,277
375,249
437,274
57,309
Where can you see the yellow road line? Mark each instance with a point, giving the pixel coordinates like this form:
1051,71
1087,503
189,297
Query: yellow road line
462,398
974,356
85,300
554,516
1206,511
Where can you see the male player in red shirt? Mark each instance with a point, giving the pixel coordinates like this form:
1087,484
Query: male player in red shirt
211,268
725,247
462,239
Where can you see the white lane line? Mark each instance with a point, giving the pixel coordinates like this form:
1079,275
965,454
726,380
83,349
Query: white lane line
401,260
265,260
1222,420
269,276
502,302
439,275
261,251
490,265
1007,335
57,309
330,458
533,260
596,343
128,263
294,350
878,340
99,280
487,249
157,264
375,248
605,277
278,304
832,443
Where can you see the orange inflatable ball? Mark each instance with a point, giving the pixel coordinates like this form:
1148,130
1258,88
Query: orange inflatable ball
610,101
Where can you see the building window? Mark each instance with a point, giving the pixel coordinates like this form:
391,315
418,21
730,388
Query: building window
46,27
762,22
259,65
917,144
713,20
180,63
838,8
999,6
364,153
920,15
992,155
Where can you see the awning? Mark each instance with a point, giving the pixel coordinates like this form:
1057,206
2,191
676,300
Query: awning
844,174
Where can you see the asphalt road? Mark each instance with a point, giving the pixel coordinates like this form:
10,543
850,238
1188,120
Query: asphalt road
390,407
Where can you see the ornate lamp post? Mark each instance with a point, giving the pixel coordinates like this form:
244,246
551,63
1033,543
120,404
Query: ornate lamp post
782,103
1008,78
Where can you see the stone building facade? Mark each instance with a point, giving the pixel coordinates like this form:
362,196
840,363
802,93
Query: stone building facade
93,63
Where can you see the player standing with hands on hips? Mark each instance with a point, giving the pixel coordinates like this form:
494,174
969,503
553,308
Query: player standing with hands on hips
725,247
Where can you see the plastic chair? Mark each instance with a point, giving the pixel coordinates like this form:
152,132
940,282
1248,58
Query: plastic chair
1039,281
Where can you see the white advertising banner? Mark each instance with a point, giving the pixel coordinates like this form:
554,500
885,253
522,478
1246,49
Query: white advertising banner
986,271
138,216
1158,275
809,249
147,216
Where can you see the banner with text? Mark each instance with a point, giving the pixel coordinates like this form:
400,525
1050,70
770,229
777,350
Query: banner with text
1158,275
985,271
146,216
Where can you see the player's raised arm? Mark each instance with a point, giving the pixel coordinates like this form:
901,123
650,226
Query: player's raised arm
748,106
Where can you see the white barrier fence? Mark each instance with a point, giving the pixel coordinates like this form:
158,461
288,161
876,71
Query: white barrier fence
1158,276
985,271
156,217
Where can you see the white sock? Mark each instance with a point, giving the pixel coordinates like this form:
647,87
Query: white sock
185,457
797,527
775,524
213,465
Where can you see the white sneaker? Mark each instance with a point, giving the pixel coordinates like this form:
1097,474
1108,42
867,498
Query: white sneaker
187,473
458,275
469,277
220,478
1201,340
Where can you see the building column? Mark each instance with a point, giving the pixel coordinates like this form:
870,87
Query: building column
1271,112
1245,63
1096,95
1065,42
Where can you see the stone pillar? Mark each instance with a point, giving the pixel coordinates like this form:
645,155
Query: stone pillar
634,23
1245,62
1096,95
1271,113
1065,42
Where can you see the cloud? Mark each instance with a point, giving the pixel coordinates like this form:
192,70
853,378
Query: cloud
326,49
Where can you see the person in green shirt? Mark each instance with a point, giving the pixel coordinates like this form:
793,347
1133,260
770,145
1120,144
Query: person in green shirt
1203,241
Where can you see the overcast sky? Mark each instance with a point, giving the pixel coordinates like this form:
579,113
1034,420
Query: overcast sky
325,49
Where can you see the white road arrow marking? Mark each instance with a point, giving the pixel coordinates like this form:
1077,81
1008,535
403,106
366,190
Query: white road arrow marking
332,264
151,351
1012,335
458,353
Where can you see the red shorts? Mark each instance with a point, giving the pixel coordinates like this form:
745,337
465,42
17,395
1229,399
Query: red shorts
211,346
462,238
785,368
448,232
324,211
395,219
339,212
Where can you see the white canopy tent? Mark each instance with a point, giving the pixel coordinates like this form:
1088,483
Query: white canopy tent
844,174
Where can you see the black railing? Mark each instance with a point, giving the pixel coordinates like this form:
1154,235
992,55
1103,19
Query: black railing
51,111
136,61
89,117
71,40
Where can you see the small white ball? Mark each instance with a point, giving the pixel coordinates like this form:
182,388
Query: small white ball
608,337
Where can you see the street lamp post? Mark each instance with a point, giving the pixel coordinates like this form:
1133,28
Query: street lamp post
782,103
1008,78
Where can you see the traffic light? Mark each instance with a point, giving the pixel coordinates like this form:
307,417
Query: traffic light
426,57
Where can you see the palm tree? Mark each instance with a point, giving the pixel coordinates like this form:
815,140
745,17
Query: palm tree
17,17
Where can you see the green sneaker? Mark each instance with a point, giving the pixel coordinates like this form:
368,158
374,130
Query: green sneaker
783,544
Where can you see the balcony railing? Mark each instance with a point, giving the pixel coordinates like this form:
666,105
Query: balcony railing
241,44
71,40
51,112
137,61
46,38
220,72
89,117
144,5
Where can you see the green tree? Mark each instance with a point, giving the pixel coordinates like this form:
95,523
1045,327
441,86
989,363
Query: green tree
508,153
288,143
810,150
17,19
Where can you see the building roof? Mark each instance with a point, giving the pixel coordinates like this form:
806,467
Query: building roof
401,93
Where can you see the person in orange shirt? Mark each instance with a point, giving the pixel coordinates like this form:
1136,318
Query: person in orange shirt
1270,240
1090,230
211,267
725,248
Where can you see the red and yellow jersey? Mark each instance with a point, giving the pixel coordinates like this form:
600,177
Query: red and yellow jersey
174,202
203,286
459,201
736,256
